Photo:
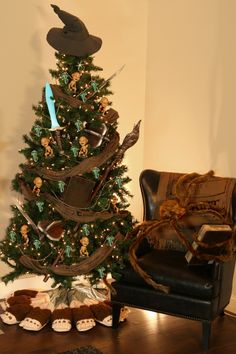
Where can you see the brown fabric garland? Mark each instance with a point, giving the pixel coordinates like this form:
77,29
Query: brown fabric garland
83,267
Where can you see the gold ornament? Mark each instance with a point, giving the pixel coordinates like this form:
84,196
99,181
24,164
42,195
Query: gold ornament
48,150
103,104
75,77
83,141
114,201
37,185
24,232
83,249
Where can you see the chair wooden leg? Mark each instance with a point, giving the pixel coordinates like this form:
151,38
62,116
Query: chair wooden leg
206,332
115,314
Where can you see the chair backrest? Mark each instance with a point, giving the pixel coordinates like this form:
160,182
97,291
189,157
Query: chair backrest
149,185
149,180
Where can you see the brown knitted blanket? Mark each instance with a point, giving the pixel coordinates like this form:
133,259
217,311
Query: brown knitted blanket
193,188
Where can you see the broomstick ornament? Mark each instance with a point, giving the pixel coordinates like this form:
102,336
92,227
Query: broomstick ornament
129,140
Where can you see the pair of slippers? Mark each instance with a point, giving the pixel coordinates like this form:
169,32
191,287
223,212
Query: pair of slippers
30,297
36,319
23,306
85,317
82,317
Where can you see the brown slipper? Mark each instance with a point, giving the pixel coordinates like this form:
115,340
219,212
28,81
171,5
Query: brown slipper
61,320
83,318
15,313
36,319
102,313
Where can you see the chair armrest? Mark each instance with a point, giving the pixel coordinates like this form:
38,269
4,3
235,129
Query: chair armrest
222,269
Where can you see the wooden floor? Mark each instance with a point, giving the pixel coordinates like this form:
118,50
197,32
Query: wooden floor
143,333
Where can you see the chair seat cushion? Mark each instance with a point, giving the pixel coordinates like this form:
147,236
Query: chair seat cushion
170,268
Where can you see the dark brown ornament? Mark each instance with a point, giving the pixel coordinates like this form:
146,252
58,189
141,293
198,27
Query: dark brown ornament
78,192
110,116
96,134
54,230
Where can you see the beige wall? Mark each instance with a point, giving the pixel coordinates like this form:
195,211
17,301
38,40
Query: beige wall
190,102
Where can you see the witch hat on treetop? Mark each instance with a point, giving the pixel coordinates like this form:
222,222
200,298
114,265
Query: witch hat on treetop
73,38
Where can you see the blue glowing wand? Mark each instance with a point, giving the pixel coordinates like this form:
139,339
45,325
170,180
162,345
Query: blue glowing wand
55,126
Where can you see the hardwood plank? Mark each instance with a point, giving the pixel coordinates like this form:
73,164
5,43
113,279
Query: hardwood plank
144,333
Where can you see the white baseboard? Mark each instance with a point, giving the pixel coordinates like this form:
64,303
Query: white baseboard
36,282
25,282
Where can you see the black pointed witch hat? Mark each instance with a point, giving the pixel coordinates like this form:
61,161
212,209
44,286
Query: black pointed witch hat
73,38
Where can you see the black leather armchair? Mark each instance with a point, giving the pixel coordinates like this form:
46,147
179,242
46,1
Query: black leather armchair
199,293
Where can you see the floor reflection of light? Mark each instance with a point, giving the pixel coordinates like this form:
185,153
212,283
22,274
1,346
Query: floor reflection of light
155,321
150,315
154,315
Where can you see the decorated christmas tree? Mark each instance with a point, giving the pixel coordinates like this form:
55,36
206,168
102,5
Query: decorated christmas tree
70,217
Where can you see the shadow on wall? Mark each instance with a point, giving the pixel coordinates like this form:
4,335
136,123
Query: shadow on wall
22,58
